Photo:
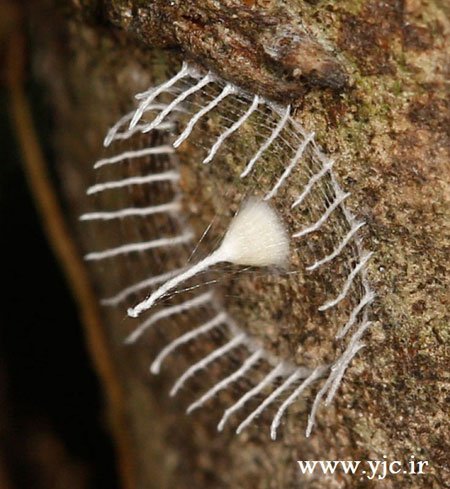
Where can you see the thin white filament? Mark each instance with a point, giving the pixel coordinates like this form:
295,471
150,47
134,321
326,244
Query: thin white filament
227,90
292,398
313,180
318,224
193,287
144,246
185,338
202,237
204,362
128,155
140,128
367,299
337,371
146,304
113,134
169,176
183,96
192,72
169,311
339,249
315,407
137,287
341,365
215,147
268,379
150,96
342,368
110,135
268,142
299,153
364,259
132,212
271,398
223,384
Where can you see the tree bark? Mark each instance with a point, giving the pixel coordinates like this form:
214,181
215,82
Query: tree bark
376,97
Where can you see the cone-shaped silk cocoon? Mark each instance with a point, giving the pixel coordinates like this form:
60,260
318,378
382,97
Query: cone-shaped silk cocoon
256,237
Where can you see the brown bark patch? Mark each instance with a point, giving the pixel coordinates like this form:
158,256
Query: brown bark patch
370,36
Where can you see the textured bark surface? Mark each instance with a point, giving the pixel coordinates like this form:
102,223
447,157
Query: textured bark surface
376,99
